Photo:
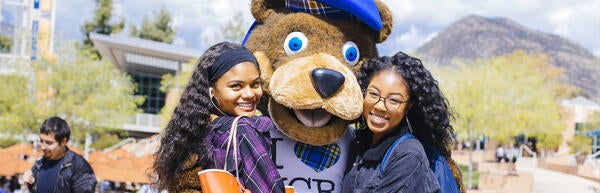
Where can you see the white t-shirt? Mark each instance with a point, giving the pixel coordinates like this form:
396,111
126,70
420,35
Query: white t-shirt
310,177
499,152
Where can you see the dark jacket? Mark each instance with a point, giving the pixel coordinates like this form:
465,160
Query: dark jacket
74,176
406,170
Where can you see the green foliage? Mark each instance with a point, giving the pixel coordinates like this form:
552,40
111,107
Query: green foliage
7,142
5,44
100,24
592,124
159,30
92,95
180,80
464,169
105,141
580,144
174,85
549,140
18,112
506,95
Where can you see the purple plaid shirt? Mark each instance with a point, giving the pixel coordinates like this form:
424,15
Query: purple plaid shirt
258,172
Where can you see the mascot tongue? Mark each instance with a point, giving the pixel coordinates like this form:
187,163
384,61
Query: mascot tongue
313,117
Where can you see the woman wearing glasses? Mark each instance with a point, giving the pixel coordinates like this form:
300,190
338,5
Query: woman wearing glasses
402,107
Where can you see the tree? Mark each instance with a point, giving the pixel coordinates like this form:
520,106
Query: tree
17,105
592,123
503,96
5,44
92,95
174,85
100,25
160,30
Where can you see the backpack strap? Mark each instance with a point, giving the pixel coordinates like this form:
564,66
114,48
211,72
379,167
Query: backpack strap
389,151
440,168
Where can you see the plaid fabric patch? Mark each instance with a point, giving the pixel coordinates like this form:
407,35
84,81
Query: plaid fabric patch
318,158
316,8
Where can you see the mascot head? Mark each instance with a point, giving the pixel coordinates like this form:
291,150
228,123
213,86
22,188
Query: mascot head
309,52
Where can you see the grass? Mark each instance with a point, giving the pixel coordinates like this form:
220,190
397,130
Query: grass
464,169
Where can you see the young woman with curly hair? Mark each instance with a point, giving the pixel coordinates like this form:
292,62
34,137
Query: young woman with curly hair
405,120
225,84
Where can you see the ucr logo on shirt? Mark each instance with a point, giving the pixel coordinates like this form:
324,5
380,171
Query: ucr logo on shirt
310,168
321,185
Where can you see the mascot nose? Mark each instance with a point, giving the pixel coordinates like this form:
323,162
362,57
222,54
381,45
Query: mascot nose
326,81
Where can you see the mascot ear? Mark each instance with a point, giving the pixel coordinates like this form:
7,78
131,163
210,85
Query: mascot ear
386,19
261,9
266,70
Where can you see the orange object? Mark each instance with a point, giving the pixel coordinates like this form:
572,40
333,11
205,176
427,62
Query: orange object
289,189
218,181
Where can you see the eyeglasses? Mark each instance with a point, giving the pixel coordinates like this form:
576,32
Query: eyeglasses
42,142
391,102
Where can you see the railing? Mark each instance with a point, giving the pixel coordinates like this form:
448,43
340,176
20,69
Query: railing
534,154
139,148
126,141
524,147
144,122
595,155
593,160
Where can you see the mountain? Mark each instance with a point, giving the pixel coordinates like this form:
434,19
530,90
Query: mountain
476,37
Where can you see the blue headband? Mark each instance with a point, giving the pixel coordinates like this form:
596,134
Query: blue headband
228,60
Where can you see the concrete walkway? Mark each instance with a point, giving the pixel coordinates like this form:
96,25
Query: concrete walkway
529,178
547,181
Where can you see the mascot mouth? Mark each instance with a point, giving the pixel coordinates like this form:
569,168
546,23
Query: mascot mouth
322,128
312,117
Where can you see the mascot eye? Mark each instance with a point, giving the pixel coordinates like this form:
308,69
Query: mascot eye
351,53
294,43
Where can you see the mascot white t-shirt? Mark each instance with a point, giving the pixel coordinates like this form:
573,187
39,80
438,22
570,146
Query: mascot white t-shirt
310,169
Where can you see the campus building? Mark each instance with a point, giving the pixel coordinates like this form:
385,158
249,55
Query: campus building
146,62
578,111
30,25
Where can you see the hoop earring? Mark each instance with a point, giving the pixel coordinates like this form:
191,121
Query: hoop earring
213,103
408,123
217,107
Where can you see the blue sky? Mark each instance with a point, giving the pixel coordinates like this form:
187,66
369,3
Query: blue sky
416,22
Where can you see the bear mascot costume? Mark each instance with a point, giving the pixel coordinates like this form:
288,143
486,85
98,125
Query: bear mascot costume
308,52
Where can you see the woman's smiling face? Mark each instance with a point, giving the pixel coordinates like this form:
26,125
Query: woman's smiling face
238,91
386,102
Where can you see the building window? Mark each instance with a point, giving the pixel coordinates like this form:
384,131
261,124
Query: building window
149,87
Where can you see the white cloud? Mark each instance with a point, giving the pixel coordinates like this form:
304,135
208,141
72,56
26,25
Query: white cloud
179,41
195,20
406,42
559,20
577,20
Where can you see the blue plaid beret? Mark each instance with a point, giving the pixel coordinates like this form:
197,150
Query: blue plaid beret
363,10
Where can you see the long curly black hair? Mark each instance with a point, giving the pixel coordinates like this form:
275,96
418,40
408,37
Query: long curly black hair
430,114
185,133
